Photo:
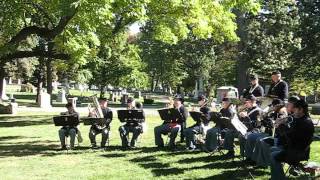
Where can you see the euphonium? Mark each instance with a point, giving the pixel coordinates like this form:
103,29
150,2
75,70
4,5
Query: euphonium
285,121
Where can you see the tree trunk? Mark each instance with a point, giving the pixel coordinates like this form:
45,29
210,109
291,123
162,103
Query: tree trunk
39,76
49,77
152,84
102,91
242,63
49,71
2,75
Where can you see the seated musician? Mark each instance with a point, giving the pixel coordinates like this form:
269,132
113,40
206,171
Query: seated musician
103,129
261,153
199,125
135,127
278,88
173,127
248,117
298,135
67,130
278,111
226,112
255,88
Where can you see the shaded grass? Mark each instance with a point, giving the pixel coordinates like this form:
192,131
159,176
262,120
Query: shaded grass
29,149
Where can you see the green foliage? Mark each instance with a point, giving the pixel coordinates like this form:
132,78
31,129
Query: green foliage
21,69
118,64
271,37
173,20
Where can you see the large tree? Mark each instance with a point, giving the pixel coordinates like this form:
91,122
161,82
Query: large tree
69,26
271,37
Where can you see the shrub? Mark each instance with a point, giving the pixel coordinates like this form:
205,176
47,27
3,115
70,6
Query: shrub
148,101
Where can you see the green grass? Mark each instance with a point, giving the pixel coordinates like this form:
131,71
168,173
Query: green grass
29,143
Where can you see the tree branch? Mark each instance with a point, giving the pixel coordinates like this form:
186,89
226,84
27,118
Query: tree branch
35,53
43,32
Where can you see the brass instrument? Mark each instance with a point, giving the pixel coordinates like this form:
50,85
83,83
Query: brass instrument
285,121
200,138
96,111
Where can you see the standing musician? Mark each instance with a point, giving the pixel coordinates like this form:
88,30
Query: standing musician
278,88
261,153
255,88
191,132
250,118
226,112
278,111
298,135
136,128
97,129
71,131
173,127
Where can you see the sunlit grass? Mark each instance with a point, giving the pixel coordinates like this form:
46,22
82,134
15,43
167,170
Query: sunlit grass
29,143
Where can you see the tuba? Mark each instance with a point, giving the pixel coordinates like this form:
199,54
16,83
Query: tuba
95,110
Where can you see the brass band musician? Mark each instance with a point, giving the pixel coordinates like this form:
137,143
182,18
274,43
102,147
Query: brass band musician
249,117
71,131
136,127
298,135
278,88
190,133
227,112
255,88
278,110
104,129
173,126
262,150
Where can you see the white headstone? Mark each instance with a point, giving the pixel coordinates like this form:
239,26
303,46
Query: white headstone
55,86
62,96
4,95
73,101
19,81
10,80
45,100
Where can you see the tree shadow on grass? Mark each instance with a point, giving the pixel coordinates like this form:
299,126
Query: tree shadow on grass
6,138
20,121
42,148
202,159
157,168
21,149
113,155
240,173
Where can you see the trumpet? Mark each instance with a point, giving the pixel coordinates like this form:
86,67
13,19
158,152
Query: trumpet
285,121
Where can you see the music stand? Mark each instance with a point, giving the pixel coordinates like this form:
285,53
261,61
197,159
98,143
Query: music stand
93,120
130,116
66,120
169,114
196,116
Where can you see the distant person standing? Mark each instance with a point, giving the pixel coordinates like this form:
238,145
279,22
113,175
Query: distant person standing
255,88
279,88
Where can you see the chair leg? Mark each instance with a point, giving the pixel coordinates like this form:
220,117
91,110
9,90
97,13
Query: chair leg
288,170
168,137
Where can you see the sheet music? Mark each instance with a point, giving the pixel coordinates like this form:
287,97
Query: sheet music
235,121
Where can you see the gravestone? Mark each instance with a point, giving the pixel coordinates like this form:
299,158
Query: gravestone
73,101
13,108
137,95
19,82
62,96
10,80
124,99
111,96
44,100
4,95
55,86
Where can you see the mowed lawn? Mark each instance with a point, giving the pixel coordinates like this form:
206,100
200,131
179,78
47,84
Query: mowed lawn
29,150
